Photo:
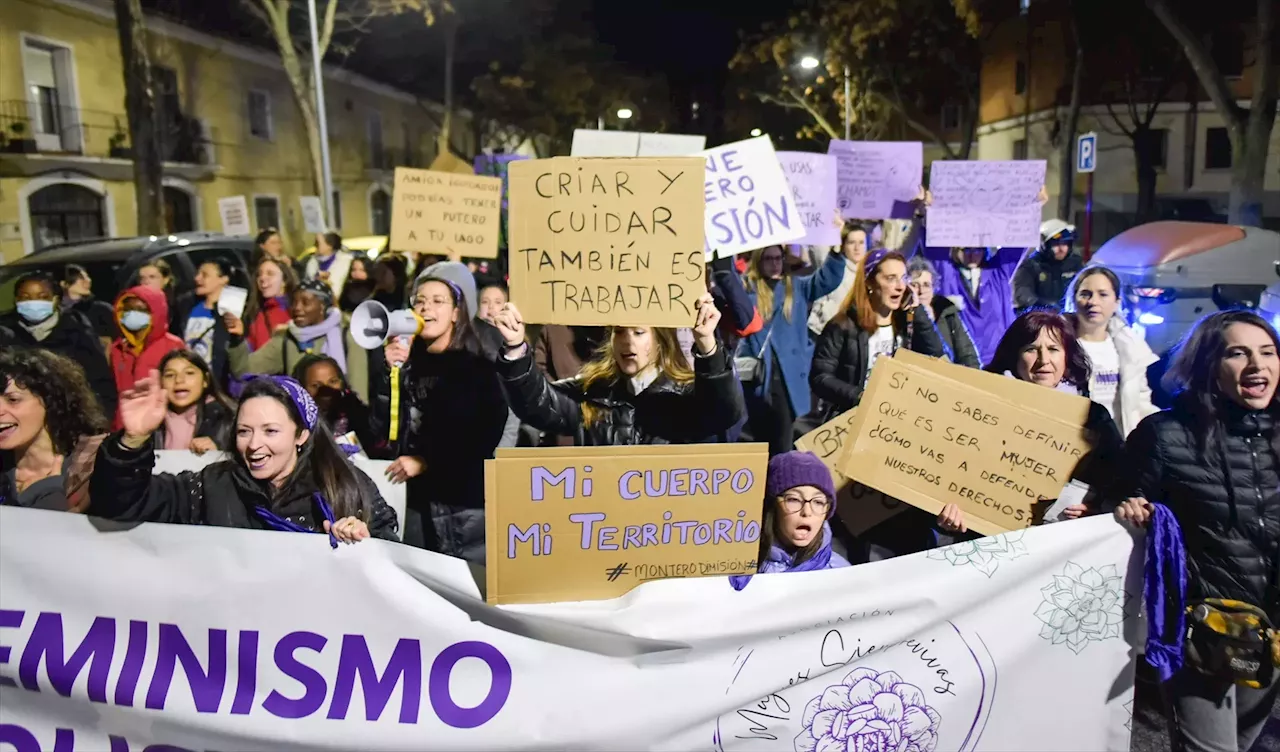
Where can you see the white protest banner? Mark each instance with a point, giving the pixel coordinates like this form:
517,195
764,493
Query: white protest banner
877,176
813,186
986,204
601,143
749,202
234,213
312,213
204,638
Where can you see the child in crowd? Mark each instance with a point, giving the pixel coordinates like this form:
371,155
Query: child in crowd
340,407
794,534
493,296
199,415
142,313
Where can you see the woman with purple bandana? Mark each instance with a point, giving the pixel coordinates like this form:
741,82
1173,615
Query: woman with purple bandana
286,473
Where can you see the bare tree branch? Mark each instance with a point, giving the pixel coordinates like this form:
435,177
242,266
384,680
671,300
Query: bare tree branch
1203,64
1265,75
1111,110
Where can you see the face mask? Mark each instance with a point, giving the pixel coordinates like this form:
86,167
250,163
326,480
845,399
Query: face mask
135,321
35,311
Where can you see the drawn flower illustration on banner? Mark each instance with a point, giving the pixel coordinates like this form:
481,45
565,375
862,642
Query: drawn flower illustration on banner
871,711
1128,707
1082,606
984,554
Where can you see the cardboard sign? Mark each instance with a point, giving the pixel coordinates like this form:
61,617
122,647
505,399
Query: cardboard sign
931,440
812,178
588,523
749,203
876,176
985,204
441,212
446,161
601,143
312,213
600,242
234,212
671,145
858,507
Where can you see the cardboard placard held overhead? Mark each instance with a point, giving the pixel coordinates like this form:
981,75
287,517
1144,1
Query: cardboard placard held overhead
986,204
598,242
858,507
446,161
589,523
812,178
749,202
931,440
448,213
312,213
234,213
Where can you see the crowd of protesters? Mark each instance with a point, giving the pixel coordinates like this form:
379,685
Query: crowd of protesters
783,340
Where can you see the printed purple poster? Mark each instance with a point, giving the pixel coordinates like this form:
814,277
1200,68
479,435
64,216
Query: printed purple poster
986,204
813,186
877,176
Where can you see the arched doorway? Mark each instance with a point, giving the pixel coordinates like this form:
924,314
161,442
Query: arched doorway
380,212
178,216
64,212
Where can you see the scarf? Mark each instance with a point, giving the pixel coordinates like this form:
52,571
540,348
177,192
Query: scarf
180,428
1165,554
331,330
779,560
323,264
41,331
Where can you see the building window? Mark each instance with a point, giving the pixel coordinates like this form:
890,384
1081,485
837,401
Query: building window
52,120
1155,146
380,212
266,211
950,117
64,212
1020,78
260,114
337,210
178,216
1020,149
1217,149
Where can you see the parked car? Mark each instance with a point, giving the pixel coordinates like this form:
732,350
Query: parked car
113,263
1175,272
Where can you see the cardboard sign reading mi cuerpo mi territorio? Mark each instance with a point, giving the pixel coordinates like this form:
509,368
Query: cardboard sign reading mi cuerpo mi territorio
607,241
444,212
591,523
858,507
931,440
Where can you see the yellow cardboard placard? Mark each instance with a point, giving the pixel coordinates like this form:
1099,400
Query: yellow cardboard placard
1070,408
931,440
589,523
860,508
442,212
607,242
447,162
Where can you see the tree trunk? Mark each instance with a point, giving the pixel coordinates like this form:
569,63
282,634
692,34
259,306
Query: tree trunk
1067,149
140,105
1146,173
1248,171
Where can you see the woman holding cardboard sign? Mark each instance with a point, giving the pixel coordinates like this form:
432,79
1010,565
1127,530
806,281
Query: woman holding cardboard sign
639,390
1041,348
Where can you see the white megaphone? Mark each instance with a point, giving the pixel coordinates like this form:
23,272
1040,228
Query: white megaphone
372,325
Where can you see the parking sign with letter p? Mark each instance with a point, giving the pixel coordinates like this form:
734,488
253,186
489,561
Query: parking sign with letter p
1087,152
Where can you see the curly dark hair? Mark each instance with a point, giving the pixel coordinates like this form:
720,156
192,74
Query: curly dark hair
71,408
1026,329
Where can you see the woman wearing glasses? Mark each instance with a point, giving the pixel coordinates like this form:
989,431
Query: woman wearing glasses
439,401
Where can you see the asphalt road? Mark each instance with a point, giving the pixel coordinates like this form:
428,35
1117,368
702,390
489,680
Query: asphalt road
1150,730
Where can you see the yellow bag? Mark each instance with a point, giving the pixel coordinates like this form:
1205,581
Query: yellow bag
1232,641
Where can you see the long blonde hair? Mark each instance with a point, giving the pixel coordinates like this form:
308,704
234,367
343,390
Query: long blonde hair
764,287
604,367
857,308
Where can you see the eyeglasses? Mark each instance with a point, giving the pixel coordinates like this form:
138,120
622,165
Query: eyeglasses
793,504
419,303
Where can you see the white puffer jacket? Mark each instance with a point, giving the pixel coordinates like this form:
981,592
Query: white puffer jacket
1135,391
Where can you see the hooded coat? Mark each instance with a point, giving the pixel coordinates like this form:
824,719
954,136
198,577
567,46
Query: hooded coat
135,354
988,314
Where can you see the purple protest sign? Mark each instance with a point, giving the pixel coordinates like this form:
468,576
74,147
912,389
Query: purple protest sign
877,176
986,204
813,186
749,203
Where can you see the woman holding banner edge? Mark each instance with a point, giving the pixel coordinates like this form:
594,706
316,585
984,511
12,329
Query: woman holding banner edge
638,390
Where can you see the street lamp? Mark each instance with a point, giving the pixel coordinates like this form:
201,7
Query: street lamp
625,113
809,62
756,131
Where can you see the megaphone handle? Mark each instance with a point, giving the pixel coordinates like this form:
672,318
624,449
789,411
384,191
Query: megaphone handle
405,340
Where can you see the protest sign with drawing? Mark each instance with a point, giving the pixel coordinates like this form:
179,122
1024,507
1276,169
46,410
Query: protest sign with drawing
749,203
859,508
931,440
607,241
447,213
985,204
812,178
586,523
875,177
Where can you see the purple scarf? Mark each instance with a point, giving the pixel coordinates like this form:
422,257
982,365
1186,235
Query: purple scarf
1165,554
780,561
331,330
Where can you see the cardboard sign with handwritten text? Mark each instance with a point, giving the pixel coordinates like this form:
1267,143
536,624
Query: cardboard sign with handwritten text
448,213
590,523
599,241
931,440
985,204
858,507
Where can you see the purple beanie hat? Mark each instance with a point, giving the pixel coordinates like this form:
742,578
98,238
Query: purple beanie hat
786,471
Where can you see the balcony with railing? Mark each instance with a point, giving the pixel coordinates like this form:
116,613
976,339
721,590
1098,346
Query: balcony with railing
40,136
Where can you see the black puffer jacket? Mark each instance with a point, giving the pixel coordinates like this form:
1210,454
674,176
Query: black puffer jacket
1041,280
839,370
124,488
1227,504
664,413
946,316
73,338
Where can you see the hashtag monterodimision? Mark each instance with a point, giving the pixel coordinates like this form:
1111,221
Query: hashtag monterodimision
613,573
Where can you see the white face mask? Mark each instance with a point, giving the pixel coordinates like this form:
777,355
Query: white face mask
135,321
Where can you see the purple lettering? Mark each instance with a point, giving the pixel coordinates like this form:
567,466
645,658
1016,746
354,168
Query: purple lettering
541,477
624,485
590,518
604,539
684,529
631,537
206,687
134,656
698,481
18,737
650,534
679,478
312,681
354,660
46,644
11,619
515,535
499,688
724,531
701,534
246,672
